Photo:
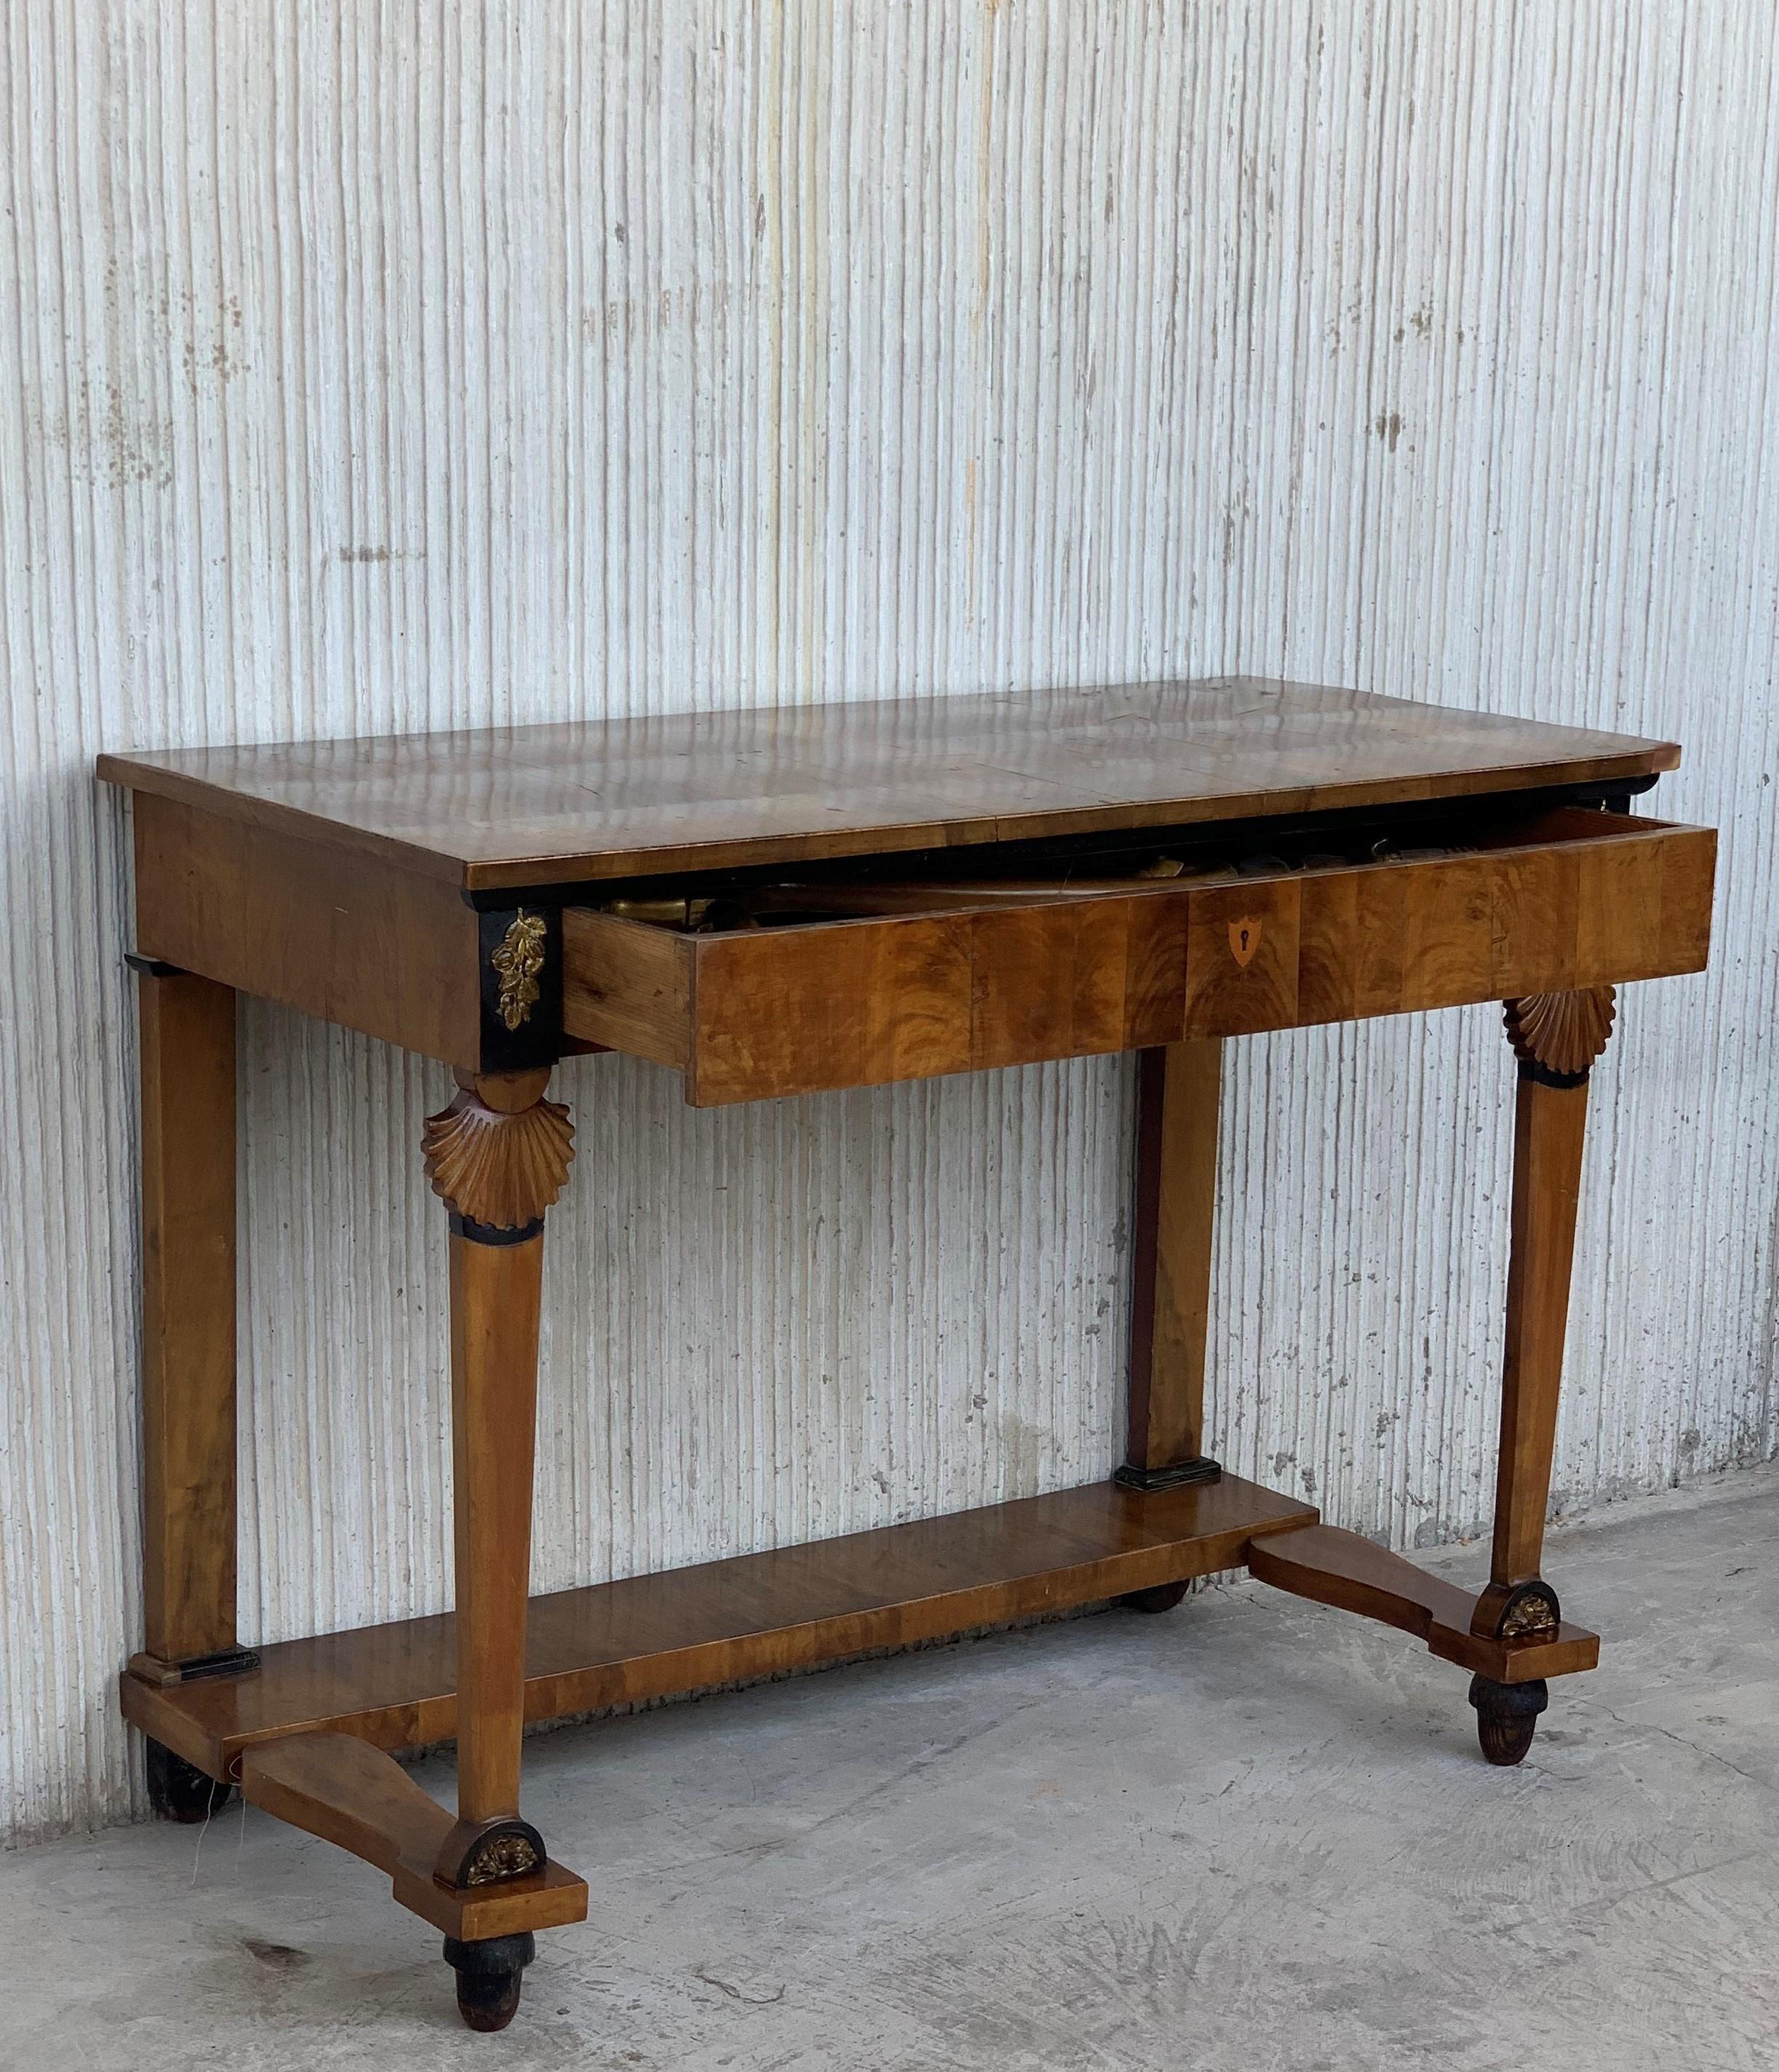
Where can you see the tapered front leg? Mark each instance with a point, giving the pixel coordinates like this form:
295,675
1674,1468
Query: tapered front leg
498,1156
1556,1037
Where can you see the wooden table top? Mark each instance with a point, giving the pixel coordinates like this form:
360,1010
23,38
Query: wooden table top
536,805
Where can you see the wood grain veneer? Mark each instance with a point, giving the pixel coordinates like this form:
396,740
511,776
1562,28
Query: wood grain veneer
1574,898
536,805
349,938
649,1636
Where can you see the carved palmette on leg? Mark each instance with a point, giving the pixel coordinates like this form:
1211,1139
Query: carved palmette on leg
498,1155
1557,1036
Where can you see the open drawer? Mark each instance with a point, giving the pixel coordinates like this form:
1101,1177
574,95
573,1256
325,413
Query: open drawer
772,990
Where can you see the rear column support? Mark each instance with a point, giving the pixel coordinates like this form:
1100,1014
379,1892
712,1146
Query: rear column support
1179,1089
186,1028
188,1038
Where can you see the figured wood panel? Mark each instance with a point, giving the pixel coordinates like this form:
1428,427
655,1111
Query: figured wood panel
1619,903
1535,923
341,936
1044,977
1155,973
773,1012
523,806
889,1001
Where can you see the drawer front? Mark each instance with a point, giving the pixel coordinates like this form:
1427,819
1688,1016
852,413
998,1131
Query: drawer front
758,1014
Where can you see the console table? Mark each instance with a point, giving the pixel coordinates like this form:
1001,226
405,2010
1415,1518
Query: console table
779,902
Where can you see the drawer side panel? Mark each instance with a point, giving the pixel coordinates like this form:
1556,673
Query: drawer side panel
626,986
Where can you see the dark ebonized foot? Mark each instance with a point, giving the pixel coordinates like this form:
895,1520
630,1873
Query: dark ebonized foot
1507,1716
178,1790
1162,1598
489,1975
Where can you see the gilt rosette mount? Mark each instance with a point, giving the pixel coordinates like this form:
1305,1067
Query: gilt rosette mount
479,1853
498,1155
1522,1611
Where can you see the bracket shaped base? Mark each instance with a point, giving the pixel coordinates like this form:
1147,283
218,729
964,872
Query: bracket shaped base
1331,1567
362,1800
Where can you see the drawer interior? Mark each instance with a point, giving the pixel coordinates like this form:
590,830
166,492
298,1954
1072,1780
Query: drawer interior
948,882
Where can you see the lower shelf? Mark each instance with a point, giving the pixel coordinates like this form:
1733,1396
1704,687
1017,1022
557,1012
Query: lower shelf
723,1622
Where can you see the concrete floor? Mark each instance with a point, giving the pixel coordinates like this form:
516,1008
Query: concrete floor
1252,1834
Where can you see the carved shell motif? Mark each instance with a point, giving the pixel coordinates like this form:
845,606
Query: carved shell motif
1564,1032
503,1170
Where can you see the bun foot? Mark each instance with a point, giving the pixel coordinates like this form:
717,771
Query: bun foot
489,1975
1507,1717
1162,1598
179,1790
